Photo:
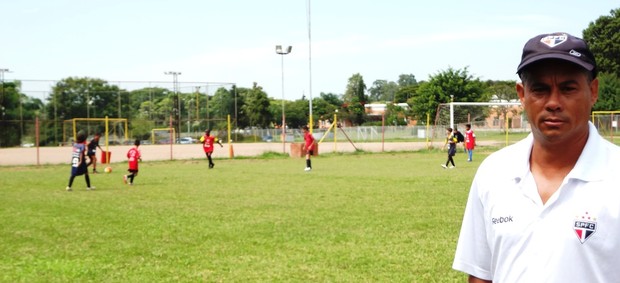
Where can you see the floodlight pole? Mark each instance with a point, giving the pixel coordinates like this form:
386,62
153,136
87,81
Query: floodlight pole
311,120
283,52
176,104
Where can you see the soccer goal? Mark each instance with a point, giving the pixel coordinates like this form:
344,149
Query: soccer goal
112,130
607,123
488,119
163,135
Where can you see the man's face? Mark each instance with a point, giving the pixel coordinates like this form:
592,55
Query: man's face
557,98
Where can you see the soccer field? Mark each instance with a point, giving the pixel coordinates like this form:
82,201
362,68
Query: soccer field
357,217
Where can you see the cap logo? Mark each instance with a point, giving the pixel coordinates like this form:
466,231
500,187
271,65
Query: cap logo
554,40
574,53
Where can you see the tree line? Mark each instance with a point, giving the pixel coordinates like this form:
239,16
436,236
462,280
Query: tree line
152,107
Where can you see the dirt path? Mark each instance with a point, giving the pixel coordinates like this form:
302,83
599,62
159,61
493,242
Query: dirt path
61,155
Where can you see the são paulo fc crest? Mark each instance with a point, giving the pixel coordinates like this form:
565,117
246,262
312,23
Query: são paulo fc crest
554,40
585,226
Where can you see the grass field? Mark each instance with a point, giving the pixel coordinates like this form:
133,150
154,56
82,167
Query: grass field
382,217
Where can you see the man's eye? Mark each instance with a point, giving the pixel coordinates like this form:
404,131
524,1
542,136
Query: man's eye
568,88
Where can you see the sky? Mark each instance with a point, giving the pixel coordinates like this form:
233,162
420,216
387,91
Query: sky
134,42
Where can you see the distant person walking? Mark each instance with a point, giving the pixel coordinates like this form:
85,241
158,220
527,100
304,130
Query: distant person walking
78,162
133,156
92,152
308,147
208,141
470,142
451,141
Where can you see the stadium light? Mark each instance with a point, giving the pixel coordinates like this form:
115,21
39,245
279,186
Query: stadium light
283,52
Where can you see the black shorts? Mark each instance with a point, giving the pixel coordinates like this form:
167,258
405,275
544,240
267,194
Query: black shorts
452,151
132,170
92,153
80,170
311,152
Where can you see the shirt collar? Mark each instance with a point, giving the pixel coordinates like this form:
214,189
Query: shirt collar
593,160
589,167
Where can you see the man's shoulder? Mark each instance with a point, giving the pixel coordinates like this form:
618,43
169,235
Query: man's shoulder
511,154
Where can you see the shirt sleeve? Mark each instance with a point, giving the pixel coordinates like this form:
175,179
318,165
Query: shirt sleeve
473,254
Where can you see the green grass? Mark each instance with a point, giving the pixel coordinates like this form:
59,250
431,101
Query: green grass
389,217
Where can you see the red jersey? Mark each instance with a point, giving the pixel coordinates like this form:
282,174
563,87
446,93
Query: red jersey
133,154
470,139
309,139
207,143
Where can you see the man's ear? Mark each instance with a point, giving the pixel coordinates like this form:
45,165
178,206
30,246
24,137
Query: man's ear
520,91
594,91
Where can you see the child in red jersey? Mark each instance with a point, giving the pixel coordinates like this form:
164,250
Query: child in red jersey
208,142
133,156
308,147
470,142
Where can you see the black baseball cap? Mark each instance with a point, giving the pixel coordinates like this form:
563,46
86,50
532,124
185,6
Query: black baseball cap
559,45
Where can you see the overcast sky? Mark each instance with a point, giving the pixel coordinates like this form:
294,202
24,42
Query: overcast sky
234,41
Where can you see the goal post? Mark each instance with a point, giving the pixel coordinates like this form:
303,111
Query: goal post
452,104
169,134
489,118
115,127
607,123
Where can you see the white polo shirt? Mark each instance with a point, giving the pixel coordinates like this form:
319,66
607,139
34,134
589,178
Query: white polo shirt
508,235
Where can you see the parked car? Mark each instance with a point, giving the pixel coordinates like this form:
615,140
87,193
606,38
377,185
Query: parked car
267,138
185,140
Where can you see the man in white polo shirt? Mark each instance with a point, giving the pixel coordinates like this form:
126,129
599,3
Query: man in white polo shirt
547,209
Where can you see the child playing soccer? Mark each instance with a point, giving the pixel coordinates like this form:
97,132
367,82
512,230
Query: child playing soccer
207,144
133,156
451,141
78,162
308,147
92,152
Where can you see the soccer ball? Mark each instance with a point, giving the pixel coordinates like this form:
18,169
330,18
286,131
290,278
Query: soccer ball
108,169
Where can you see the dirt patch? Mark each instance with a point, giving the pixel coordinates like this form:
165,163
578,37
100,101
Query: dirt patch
62,155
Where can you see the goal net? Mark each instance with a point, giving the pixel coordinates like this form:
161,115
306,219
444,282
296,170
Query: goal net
163,135
492,120
115,129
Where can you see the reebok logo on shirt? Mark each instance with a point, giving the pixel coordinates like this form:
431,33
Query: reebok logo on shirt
500,220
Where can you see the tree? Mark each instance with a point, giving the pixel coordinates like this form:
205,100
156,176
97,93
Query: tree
355,98
603,37
9,111
450,84
395,115
223,104
500,91
297,113
404,93
382,90
256,107
406,80
74,98
147,102
326,105
608,93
